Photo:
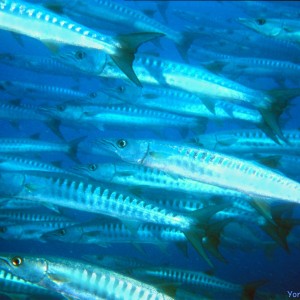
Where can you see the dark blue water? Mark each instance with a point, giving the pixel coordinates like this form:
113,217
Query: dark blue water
281,270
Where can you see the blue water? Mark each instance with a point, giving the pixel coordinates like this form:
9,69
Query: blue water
282,269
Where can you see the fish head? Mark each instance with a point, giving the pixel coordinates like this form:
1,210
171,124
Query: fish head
129,150
69,234
61,111
268,27
89,61
32,269
100,171
125,92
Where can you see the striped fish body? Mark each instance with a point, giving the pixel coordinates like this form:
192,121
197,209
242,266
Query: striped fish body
16,163
189,277
135,175
81,280
31,230
207,166
195,80
37,22
120,115
13,284
43,92
181,102
81,195
250,141
8,145
115,13
106,233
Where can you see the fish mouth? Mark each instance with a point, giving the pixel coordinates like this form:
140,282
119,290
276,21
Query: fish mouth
106,144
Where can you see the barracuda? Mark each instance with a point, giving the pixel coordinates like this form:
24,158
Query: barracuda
45,92
15,163
139,176
104,116
250,141
97,11
78,279
50,65
34,145
15,113
206,166
201,82
11,285
85,196
52,29
199,279
18,215
281,29
181,102
110,232
30,230
104,233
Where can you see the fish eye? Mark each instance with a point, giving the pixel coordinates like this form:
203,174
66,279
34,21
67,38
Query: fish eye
61,232
61,107
121,143
17,261
3,229
92,167
80,55
121,88
93,95
260,21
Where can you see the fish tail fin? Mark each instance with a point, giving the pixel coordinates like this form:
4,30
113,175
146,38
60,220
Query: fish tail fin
280,100
277,227
197,235
125,56
211,241
185,42
73,148
249,289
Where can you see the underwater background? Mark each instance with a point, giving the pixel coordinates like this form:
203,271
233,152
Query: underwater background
217,34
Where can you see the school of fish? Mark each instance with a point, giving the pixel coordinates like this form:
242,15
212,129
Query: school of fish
145,145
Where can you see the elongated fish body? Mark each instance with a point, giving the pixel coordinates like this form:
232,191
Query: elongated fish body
44,64
254,66
102,116
40,23
44,92
281,29
78,194
250,141
28,215
30,230
14,163
116,13
77,279
105,233
189,277
13,284
116,262
18,145
181,102
135,176
197,80
21,112
206,166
